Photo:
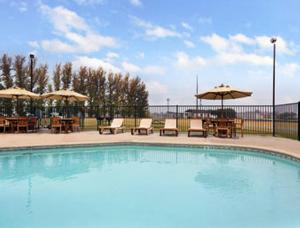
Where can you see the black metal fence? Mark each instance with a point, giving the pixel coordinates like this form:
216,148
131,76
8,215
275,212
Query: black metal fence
257,118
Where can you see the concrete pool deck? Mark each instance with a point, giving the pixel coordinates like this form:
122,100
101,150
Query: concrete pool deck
282,145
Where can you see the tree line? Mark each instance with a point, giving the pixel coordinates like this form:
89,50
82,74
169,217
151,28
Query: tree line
109,93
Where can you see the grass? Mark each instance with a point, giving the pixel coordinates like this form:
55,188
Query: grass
287,129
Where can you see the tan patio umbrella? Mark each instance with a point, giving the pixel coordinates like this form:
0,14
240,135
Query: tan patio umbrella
66,95
222,93
18,93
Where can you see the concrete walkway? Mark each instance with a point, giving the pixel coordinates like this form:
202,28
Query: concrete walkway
281,145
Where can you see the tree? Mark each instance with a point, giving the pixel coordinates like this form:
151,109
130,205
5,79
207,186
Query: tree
7,79
21,79
66,75
57,77
6,67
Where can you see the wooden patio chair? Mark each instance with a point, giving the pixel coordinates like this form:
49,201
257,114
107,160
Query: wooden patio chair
145,126
33,124
170,125
4,124
196,125
75,123
222,129
114,128
239,125
56,124
22,123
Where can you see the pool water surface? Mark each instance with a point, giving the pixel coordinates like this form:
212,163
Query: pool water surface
147,186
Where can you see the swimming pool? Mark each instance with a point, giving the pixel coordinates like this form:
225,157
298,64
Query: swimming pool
147,186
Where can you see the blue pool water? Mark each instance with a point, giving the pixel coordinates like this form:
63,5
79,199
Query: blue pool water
147,186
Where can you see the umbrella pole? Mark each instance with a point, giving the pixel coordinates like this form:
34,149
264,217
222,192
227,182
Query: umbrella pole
222,104
17,107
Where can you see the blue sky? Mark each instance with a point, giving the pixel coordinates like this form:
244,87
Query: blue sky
166,43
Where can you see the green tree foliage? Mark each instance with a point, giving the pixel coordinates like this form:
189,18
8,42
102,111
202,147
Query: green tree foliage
109,93
57,77
6,67
21,76
67,75
7,82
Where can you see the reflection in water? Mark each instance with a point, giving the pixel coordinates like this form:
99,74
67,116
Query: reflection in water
89,186
64,164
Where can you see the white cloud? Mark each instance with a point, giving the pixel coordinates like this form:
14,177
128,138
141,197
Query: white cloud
73,28
205,20
236,58
135,2
281,45
131,68
157,91
231,50
154,70
112,55
154,31
149,70
56,45
94,63
34,44
184,61
241,38
141,55
288,69
186,26
89,2
189,44
21,6
259,43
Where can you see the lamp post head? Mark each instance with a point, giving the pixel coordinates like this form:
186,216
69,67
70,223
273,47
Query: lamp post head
31,56
273,40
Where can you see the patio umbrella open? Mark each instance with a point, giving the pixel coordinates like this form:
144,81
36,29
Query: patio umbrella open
222,93
18,93
66,95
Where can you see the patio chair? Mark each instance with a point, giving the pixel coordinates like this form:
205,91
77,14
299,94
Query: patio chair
239,125
170,125
33,124
56,124
116,125
223,130
4,124
145,126
75,123
22,124
197,126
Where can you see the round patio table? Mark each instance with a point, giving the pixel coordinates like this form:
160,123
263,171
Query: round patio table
67,124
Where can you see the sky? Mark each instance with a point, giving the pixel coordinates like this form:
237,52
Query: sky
166,43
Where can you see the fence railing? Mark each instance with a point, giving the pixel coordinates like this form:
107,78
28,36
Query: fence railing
257,118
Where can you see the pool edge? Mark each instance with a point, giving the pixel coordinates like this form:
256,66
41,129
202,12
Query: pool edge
275,152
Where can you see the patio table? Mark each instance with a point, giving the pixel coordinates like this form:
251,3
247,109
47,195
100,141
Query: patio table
13,122
67,124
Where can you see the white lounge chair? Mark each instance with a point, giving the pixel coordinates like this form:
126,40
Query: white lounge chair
170,125
145,126
197,126
116,125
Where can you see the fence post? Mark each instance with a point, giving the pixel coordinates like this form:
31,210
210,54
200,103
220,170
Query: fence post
135,116
299,120
177,116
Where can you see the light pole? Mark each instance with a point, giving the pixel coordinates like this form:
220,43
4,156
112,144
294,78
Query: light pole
31,79
168,103
273,41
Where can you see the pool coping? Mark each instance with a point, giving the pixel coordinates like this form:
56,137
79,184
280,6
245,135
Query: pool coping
258,149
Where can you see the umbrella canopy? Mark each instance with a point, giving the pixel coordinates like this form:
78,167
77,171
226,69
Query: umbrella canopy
223,92
66,95
18,93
